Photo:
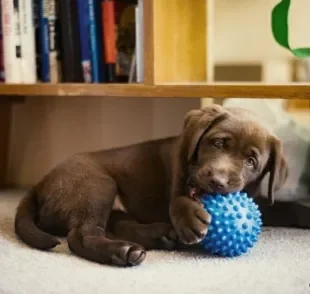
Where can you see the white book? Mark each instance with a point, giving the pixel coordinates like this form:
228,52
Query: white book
11,42
18,40
28,50
139,41
54,64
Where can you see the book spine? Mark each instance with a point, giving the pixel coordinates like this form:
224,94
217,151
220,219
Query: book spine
83,15
11,44
18,40
139,42
36,17
2,78
96,42
44,41
109,38
53,43
100,43
93,41
70,42
28,54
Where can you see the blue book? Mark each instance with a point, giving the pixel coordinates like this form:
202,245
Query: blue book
44,41
96,43
84,33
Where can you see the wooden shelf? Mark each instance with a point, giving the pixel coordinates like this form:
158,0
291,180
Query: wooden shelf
289,91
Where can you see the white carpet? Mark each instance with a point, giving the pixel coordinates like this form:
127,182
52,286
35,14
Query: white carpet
279,263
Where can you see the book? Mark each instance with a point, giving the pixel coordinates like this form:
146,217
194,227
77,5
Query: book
54,62
139,41
44,40
125,39
28,53
18,40
36,17
70,42
11,41
99,70
109,38
2,77
84,28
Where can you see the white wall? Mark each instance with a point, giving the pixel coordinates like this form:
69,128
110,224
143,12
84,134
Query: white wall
243,30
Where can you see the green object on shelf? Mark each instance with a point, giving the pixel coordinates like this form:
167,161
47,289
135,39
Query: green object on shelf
280,30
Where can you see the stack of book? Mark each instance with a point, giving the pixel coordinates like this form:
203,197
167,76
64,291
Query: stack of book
70,41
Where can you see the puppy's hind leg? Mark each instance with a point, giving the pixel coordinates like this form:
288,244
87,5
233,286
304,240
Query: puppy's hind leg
89,242
158,235
87,233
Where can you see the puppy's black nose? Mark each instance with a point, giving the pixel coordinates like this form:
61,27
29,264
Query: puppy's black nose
218,183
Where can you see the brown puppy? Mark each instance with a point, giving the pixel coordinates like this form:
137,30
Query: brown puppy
115,204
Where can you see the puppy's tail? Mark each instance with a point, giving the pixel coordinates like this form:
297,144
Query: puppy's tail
26,228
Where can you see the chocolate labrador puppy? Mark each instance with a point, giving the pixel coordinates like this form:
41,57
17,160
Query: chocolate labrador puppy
115,204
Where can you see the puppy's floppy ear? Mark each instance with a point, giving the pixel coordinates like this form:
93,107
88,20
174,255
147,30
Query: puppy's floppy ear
196,123
277,167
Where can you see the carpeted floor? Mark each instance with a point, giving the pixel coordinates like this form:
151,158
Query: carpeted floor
279,263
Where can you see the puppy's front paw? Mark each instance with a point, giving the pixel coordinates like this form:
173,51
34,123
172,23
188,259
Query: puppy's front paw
192,226
161,236
169,240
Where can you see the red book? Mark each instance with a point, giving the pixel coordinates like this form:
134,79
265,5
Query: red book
109,37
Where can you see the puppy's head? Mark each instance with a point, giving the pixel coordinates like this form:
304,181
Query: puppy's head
227,150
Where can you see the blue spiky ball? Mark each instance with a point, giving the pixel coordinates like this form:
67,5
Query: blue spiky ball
235,224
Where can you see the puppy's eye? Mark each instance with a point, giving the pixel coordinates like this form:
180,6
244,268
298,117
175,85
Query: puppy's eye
250,162
218,143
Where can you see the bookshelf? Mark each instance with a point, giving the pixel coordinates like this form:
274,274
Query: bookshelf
177,63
